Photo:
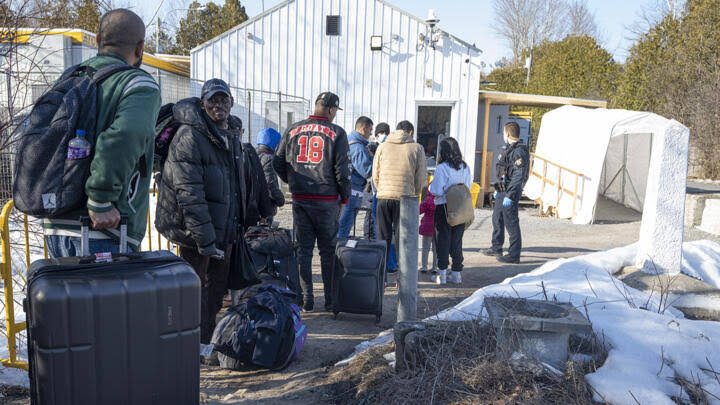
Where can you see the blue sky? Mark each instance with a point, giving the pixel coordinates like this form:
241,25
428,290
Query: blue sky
472,20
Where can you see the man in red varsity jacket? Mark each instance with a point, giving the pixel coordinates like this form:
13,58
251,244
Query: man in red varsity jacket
313,159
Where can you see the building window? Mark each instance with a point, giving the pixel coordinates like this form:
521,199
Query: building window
332,25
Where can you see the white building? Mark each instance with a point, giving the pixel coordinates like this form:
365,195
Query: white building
381,61
40,56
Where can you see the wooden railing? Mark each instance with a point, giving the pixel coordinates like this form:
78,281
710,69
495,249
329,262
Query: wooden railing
557,185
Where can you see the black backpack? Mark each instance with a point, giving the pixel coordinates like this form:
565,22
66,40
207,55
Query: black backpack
273,253
264,330
165,128
46,184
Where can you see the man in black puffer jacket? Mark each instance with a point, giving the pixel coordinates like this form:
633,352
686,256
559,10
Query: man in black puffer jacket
205,192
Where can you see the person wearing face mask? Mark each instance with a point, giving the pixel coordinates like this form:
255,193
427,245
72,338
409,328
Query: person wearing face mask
360,172
203,192
127,107
513,169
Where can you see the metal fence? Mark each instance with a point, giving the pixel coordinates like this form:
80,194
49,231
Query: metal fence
22,237
259,109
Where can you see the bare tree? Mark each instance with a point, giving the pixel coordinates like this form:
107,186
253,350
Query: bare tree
652,13
580,20
523,23
22,73
673,8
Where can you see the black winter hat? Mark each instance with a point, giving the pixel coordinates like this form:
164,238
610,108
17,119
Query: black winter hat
382,128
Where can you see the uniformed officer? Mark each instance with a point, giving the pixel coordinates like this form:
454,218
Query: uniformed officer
512,172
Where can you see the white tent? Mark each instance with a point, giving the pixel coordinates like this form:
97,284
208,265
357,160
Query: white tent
611,149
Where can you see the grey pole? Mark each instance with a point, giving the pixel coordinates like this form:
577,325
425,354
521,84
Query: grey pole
8,77
408,259
157,37
249,104
280,112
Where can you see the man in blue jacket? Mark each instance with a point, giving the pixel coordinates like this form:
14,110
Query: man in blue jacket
361,164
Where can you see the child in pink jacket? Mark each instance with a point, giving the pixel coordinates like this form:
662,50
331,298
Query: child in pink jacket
427,231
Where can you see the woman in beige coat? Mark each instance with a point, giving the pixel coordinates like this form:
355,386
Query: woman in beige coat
399,171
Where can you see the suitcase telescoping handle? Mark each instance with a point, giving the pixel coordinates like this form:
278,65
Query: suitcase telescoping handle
86,223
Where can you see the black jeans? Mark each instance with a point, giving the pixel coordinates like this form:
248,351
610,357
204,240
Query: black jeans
388,218
448,241
316,220
213,281
506,218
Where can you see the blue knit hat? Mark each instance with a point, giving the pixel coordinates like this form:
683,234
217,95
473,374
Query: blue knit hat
269,137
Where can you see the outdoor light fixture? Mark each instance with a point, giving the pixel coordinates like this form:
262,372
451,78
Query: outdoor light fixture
432,34
376,43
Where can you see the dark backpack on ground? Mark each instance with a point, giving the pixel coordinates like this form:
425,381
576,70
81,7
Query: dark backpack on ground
273,253
165,128
265,330
46,183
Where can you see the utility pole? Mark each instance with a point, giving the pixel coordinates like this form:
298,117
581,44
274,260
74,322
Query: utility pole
157,37
529,61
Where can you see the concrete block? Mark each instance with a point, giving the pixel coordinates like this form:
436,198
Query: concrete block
400,332
711,216
694,206
550,348
413,356
661,231
695,298
535,328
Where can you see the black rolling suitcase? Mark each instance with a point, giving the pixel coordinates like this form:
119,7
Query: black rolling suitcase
358,277
125,331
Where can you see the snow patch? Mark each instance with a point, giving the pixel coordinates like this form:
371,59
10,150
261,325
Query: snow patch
648,349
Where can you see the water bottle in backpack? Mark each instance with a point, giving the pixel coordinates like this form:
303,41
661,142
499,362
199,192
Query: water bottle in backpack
78,147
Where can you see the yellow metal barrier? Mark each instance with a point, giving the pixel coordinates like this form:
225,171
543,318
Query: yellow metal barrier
153,193
474,191
13,328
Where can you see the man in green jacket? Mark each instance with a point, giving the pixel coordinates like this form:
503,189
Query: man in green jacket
120,172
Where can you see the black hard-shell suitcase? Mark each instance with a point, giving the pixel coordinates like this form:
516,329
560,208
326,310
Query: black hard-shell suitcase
358,277
120,332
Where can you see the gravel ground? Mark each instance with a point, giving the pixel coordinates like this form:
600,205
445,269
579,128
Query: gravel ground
329,341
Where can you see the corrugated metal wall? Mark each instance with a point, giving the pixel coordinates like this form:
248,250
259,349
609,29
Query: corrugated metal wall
287,50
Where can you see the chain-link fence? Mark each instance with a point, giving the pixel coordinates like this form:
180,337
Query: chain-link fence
256,108
260,109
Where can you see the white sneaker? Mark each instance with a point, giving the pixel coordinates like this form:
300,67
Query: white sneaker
455,277
440,277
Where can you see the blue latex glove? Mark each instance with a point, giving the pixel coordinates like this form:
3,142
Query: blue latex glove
507,202
495,195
